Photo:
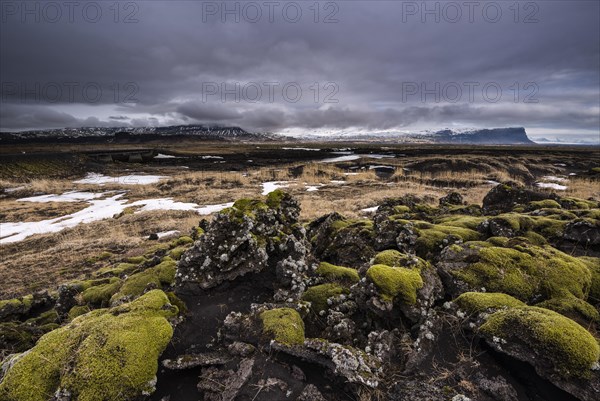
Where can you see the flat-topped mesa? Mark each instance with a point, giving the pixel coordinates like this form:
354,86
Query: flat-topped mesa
494,136
252,236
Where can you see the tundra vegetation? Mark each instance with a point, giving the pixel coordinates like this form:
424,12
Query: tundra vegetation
447,287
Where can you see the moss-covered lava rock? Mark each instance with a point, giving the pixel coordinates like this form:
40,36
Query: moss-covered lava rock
396,282
539,335
136,284
107,354
475,302
319,294
249,237
338,273
284,325
519,269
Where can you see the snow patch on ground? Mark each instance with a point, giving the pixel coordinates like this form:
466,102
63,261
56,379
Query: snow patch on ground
163,156
307,149
9,190
370,209
313,188
72,196
346,158
271,186
132,179
551,185
204,210
98,209
164,234
552,178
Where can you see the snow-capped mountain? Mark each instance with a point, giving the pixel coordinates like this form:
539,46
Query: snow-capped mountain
133,134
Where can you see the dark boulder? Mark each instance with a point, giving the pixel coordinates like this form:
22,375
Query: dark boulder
504,197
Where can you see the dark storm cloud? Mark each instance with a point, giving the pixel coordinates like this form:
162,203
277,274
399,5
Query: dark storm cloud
204,111
165,68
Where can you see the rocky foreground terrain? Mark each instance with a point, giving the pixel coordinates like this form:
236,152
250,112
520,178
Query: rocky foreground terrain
458,302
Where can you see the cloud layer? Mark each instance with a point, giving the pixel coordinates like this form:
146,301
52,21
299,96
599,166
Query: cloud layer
343,65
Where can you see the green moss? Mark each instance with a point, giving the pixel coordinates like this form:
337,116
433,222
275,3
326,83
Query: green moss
157,249
571,307
16,306
535,238
48,317
198,232
135,285
544,204
183,240
390,257
432,240
136,260
339,225
274,198
333,272
424,209
78,310
175,300
10,303
285,325
101,294
498,241
102,256
396,282
118,270
401,209
517,222
103,355
470,222
562,274
16,337
246,207
176,253
549,227
575,203
319,294
476,302
571,348
83,285
594,265
526,272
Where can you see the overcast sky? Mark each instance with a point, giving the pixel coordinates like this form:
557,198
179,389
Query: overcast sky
349,66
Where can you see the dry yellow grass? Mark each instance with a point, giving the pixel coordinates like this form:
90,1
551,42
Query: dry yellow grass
44,261
584,188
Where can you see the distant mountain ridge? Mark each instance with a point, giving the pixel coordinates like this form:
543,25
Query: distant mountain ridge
133,134
494,136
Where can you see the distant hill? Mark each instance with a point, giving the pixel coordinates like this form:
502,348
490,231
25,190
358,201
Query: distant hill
494,136
132,135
